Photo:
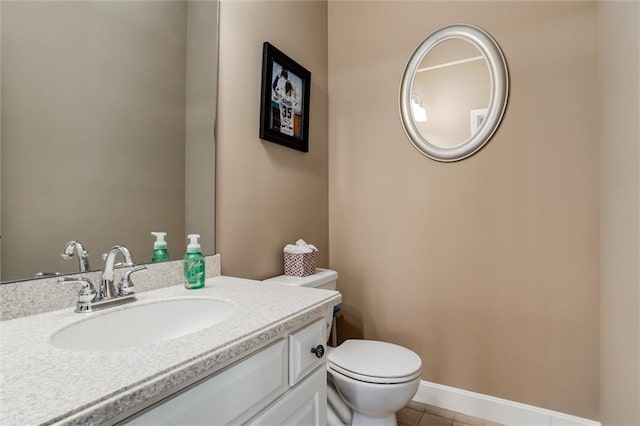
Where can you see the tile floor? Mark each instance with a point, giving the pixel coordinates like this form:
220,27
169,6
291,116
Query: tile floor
418,414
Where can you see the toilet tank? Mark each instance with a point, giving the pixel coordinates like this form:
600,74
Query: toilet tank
323,278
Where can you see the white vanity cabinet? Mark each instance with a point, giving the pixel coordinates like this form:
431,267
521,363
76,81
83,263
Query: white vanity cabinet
282,384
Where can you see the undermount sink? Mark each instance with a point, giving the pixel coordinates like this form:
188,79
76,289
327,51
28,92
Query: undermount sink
145,323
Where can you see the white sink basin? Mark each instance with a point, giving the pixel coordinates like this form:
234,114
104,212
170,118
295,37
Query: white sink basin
141,324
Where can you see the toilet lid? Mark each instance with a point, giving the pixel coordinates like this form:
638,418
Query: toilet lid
375,362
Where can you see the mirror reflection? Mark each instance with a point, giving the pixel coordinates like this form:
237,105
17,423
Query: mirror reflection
451,92
107,125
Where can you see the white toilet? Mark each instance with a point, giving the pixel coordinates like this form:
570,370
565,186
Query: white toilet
376,379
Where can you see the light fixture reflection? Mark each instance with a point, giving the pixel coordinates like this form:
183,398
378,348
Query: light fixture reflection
418,110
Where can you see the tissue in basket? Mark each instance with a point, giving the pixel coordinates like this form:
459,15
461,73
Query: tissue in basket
299,260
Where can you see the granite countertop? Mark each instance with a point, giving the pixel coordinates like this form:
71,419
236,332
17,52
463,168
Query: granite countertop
44,384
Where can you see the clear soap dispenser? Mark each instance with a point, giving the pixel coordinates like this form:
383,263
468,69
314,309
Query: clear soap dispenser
160,252
193,264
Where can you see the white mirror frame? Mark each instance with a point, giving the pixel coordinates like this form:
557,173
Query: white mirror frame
497,101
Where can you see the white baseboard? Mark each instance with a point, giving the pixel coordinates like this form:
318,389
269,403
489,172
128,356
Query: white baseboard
494,409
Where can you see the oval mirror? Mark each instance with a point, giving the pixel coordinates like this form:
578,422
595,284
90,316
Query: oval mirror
454,92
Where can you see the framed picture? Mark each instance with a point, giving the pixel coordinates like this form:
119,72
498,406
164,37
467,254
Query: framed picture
284,103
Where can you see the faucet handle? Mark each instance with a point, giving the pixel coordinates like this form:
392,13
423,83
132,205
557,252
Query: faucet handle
47,274
125,287
86,294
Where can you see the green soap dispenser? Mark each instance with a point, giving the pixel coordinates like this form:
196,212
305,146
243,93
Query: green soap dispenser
193,264
160,253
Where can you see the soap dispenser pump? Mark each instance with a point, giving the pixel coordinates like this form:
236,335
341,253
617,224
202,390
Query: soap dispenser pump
193,264
160,252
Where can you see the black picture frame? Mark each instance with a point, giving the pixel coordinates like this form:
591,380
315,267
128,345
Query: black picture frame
284,101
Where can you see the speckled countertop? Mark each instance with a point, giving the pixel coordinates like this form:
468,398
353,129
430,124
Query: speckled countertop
44,384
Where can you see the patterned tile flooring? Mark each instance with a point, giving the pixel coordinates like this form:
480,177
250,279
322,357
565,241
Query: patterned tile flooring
418,414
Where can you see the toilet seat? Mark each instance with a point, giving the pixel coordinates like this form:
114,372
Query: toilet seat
373,380
375,362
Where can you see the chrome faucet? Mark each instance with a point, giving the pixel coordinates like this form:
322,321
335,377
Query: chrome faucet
82,254
106,295
107,289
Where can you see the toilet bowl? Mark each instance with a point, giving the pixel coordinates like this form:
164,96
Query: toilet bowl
375,379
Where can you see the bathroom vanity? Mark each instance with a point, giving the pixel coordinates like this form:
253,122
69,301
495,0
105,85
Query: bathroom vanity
260,365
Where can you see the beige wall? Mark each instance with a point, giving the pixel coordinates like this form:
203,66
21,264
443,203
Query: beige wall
488,267
268,195
93,112
619,75
201,86
0,143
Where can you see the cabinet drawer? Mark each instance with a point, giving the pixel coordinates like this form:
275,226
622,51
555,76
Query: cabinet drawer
228,397
302,360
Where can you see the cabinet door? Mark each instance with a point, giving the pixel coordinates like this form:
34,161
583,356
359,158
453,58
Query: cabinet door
304,404
228,397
